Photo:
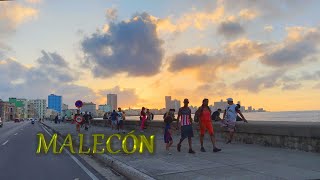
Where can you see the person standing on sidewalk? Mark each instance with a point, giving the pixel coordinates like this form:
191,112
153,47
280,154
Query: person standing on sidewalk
204,112
114,119
184,116
230,118
120,120
167,130
86,120
143,117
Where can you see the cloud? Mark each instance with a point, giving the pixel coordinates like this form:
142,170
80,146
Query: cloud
34,1
273,9
248,14
130,47
294,50
230,29
55,66
13,14
112,14
257,83
310,76
40,80
126,97
230,55
293,86
268,28
317,86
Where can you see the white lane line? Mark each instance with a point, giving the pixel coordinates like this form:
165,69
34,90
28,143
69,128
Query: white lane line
5,143
90,174
15,134
21,129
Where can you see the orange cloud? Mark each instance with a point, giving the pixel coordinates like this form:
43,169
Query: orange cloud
248,14
13,14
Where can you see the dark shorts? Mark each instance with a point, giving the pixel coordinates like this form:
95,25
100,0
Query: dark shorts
186,131
120,123
167,137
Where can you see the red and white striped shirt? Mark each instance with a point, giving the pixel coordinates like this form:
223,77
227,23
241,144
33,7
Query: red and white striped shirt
185,114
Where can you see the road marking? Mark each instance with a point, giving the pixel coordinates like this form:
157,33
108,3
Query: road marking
90,174
15,134
21,129
5,143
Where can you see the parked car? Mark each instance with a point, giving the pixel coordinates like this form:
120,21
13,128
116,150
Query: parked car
1,123
16,120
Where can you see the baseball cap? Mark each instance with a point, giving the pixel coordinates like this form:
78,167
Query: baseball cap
229,99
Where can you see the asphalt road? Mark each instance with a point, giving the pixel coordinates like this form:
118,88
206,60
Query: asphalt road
18,158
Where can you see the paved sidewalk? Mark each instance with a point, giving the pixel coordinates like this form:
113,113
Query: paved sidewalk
235,161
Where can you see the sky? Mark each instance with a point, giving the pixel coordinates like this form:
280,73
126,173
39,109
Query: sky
262,53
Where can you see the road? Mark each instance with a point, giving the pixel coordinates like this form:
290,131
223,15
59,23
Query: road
18,158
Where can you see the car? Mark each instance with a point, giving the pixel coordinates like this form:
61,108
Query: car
1,123
16,120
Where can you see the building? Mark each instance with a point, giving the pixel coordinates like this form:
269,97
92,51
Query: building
89,107
112,101
55,102
220,105
176,105
50,114
64,106
30,109
105,108
7,111
39,106
19,103
250,109
168,103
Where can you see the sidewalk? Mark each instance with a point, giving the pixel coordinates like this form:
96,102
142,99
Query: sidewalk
235,161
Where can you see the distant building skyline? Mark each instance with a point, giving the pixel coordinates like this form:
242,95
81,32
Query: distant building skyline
55,102
112,100
89,107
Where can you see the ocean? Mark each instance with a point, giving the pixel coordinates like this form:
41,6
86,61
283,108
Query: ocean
296,116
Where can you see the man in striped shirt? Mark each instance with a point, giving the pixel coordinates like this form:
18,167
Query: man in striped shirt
184,116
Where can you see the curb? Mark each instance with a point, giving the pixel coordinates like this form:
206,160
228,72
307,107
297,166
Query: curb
122,168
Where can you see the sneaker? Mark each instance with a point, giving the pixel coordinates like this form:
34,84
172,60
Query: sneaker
169,153
216,149
179,147
202,149
191,151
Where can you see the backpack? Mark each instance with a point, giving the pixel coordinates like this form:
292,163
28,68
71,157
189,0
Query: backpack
197,116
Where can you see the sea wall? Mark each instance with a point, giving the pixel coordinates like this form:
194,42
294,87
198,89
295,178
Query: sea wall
294,135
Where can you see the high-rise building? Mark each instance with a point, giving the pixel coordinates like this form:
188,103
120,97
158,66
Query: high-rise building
220,105
55,102
249,108
168,103
176,105
89,107
40,106
112,101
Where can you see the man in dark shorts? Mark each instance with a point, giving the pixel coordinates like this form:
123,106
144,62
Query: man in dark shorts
184,116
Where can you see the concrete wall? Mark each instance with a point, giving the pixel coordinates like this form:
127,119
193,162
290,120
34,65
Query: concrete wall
294,135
